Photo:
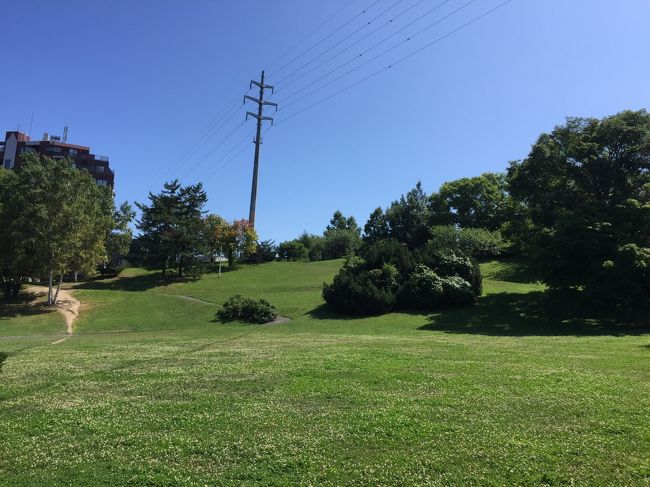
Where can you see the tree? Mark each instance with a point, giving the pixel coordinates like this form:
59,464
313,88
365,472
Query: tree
341,238
237,238
292,250
15,239
479,202
118,240
266,251
340,222
408,218
585,187
376,228
56,221
172,225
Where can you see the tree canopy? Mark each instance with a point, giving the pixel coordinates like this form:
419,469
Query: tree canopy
172,225
585,191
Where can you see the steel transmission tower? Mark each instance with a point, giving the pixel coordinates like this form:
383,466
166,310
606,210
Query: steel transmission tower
258,139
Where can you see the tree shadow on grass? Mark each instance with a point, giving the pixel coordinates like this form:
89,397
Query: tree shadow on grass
132,283
23,305
539,313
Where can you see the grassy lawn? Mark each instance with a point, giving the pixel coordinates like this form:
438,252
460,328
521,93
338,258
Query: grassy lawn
525,388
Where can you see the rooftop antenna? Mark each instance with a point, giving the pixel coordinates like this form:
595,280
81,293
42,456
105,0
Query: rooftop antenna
31,121
65,133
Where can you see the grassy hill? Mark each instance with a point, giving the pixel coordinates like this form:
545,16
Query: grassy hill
525,388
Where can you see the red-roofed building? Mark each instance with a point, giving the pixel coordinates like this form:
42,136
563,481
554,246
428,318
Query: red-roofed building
17,143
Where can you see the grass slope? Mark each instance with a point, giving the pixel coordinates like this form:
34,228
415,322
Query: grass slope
522,389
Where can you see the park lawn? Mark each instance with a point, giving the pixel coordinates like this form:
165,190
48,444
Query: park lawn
523,388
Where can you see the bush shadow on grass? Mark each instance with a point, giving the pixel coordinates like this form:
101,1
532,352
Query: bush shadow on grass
540,313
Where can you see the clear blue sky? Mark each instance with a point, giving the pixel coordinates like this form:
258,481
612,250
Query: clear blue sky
140,81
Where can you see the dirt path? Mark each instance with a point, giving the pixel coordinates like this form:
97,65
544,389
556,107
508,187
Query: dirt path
67,305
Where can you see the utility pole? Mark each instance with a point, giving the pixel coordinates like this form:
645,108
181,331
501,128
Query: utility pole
258,139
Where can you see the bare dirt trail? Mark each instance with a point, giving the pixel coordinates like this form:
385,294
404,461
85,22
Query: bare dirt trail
67,305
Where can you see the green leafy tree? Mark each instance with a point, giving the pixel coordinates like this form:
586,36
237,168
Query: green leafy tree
341,238
479,202
585,187
120,236
57,221
292,250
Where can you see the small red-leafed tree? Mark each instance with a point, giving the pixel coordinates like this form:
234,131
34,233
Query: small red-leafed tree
237,238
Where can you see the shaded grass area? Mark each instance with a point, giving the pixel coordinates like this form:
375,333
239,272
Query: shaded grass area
152,392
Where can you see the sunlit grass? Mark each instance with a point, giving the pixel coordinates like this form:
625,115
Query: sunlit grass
153,390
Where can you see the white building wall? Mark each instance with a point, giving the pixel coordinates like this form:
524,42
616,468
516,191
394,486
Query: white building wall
10,152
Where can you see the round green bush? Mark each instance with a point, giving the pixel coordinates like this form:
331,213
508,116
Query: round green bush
241,308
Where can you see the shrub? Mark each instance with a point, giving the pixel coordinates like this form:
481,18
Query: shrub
239,307
448,264
424,289
360,292
3,358
390,275
389,251
458,291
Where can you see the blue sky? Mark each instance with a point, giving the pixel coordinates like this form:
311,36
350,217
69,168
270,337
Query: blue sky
141,81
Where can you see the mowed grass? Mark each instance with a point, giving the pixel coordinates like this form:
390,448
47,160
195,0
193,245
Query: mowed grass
524,388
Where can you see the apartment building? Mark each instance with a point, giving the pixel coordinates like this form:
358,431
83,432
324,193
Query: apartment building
17,143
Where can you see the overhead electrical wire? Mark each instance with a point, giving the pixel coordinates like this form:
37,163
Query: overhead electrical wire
318,43
352,34
395,63
357,42
241,145
374,46
311,33
205,137
215,147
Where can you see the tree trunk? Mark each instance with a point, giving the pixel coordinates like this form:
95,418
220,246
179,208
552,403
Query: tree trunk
180,266
76,276
49,289
164,269
58,288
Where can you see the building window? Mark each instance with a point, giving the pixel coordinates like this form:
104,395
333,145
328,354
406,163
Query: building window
54,149
102,182
73,152
100,169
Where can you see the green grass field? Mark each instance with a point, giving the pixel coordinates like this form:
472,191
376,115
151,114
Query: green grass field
525,388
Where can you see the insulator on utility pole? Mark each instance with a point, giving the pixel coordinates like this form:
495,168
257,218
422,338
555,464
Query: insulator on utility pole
261,103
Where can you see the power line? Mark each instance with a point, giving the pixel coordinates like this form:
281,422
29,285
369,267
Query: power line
398,61
358,41
313,31
242,144
220,168
374,46
352,34
326,37
384,52
214,147
212,130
